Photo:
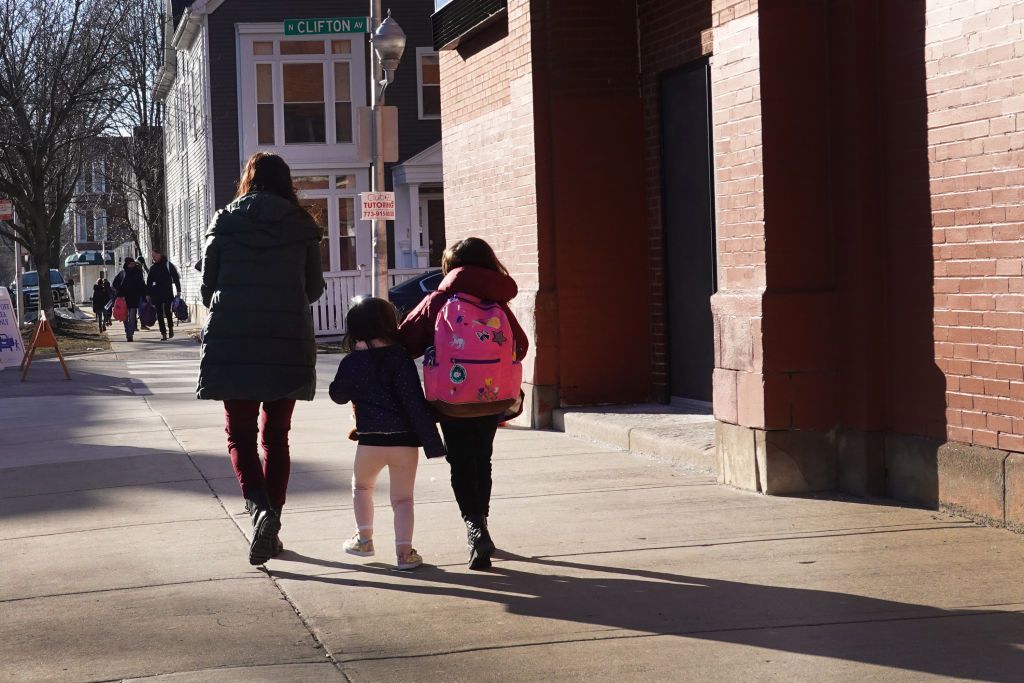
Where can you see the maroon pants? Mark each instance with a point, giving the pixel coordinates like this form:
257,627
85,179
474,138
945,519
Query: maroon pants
244,422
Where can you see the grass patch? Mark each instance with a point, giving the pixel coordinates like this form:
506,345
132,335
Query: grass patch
73,336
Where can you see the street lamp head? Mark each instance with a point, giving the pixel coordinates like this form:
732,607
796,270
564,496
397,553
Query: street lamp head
389,44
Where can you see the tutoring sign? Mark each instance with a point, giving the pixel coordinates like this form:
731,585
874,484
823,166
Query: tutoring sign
378,206
11,348
325,26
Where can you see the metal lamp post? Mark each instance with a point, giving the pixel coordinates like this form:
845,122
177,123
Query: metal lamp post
388,45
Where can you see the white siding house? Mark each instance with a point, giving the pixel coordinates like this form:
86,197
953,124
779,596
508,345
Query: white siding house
230,67
184,87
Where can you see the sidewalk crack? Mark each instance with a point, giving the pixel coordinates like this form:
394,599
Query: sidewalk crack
319,644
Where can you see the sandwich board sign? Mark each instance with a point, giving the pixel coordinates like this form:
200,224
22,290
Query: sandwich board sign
12,351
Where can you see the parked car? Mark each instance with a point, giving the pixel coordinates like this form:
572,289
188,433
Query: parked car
406,295
30,280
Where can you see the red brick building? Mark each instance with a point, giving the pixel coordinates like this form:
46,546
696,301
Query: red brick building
809,212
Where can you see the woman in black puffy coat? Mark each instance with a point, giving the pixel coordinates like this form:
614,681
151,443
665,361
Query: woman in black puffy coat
261,272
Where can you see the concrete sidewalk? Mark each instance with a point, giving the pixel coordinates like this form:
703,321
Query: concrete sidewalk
124,557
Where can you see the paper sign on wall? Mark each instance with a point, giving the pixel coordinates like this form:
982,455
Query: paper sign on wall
11,348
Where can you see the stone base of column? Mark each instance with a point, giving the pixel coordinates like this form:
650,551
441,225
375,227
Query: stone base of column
978,482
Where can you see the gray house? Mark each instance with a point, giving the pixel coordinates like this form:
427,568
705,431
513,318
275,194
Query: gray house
235,84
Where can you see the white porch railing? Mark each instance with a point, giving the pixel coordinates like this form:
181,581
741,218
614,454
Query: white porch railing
330,310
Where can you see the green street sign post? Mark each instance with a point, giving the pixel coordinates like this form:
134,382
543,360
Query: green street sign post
325,26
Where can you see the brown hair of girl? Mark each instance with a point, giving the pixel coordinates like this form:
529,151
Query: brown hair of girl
370,318
471,251
265,172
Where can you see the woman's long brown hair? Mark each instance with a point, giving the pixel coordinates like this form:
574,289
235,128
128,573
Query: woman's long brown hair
471,251
265,172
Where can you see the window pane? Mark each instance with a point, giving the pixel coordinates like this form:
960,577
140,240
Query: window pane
304,114
347,216
342,82
344,182
264,83
263,48
318,210
265,124
343,122
303,82
302,47
431,101
341,47
347,230
430,70
311,182
304,123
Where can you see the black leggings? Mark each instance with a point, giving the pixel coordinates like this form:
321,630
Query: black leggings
470,443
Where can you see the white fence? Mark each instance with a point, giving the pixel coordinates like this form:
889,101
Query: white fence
330,310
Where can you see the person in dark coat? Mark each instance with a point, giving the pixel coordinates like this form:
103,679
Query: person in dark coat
130,286
100,297
261,272
164,284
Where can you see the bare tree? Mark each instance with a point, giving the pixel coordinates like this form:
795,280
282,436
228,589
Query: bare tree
140,118
56,95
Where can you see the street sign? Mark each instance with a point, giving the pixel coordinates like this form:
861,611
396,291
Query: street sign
326,26
378,206
6,210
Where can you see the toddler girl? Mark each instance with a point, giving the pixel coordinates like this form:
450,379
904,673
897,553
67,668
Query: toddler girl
392,421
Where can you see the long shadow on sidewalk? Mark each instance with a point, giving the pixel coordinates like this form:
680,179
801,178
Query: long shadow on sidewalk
979,643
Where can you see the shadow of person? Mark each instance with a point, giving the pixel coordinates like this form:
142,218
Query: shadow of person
981,643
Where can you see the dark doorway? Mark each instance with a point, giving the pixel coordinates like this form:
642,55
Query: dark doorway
435,229
689,224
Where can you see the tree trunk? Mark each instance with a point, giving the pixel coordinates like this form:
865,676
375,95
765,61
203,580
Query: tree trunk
42,260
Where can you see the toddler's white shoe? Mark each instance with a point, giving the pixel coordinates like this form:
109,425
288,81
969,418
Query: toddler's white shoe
359,546
409,559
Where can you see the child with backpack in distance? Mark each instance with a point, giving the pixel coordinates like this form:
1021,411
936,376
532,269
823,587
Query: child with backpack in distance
392,421
472,347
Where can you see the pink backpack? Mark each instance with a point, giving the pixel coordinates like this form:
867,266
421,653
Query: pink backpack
472,369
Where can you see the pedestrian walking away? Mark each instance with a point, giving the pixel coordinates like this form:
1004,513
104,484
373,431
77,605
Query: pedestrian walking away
260,370
392,421
101,295
164,286
130,286
470,267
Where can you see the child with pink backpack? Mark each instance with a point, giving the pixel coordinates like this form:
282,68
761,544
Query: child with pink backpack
472,347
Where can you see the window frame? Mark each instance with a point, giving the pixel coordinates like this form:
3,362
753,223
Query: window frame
422,52
331,194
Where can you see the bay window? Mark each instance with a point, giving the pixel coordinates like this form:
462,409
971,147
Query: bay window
331,200
299,92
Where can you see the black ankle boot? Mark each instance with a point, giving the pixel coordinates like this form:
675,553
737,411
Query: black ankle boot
278,543
266,523
480,545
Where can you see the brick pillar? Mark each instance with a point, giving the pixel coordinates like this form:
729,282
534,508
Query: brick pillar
823,321
737,307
